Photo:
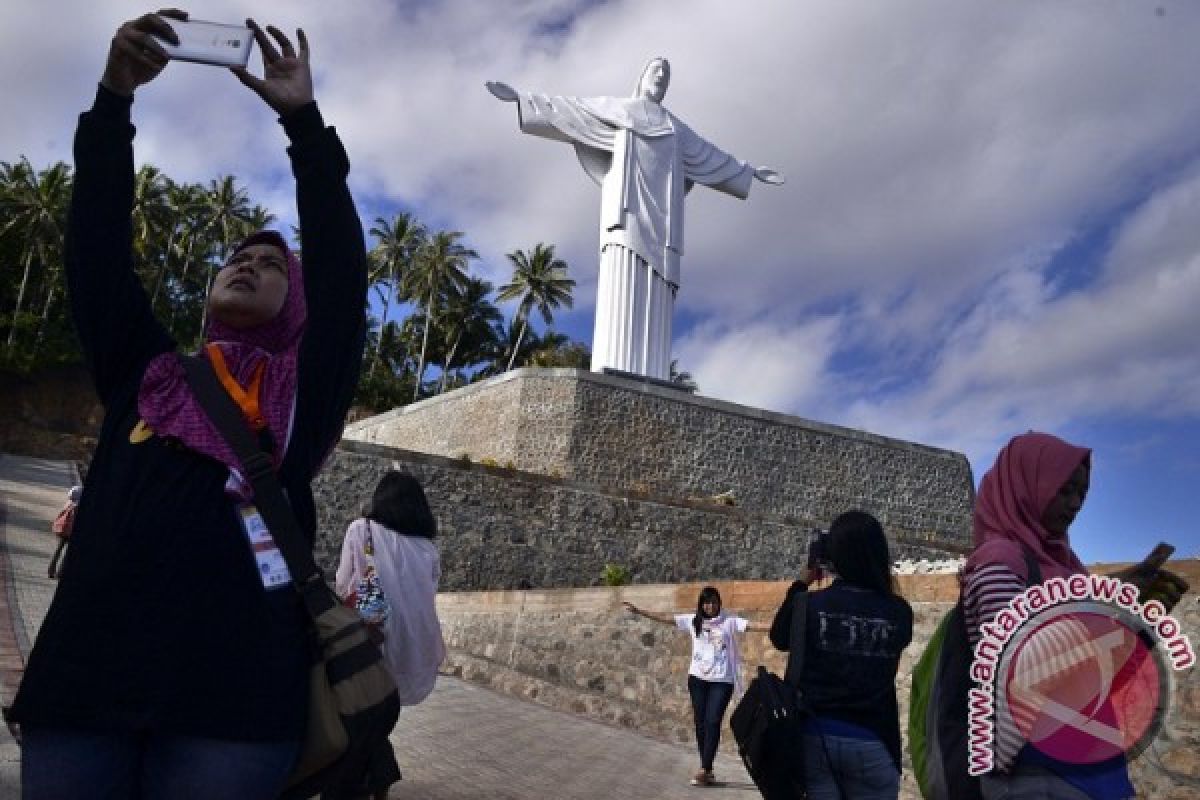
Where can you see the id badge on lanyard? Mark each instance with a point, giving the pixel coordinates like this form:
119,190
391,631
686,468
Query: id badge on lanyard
272,569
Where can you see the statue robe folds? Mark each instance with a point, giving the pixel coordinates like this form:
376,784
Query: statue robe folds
645,160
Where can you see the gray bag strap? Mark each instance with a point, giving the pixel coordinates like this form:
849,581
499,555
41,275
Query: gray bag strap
260,472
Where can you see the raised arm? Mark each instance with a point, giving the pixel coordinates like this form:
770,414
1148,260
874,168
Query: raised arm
780,631
666,619
111,312
334,251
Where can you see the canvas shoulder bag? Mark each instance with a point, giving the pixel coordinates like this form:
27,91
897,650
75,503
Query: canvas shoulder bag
352,699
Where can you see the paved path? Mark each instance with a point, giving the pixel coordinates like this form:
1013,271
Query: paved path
32,491
463,743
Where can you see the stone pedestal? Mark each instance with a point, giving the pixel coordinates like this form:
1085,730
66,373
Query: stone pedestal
621,434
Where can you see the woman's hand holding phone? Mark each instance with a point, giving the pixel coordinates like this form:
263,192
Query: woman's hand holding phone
135,56
1154,581
286,84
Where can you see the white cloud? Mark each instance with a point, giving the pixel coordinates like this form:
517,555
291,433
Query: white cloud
937,155
1025,357
764,364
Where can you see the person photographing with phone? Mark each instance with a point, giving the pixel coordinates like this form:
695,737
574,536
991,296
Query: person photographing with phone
856,630
174,659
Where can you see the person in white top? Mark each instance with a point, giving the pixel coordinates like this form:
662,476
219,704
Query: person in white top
390,550
714,670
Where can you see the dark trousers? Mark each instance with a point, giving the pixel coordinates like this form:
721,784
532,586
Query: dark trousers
57,764
709,701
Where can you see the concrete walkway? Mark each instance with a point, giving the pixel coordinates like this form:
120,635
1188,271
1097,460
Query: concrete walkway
463,743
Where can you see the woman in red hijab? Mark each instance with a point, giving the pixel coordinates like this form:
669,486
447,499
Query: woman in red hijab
1026,504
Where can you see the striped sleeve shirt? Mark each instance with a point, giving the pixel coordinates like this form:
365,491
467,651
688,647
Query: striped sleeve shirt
987,591
1060,649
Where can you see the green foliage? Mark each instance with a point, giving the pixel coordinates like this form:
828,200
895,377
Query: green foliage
182,233
572,355
616,575
540,281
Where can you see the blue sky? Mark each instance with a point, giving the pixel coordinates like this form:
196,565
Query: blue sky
990,222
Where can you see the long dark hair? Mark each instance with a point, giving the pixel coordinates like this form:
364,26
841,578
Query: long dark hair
859,552
708,594
399,503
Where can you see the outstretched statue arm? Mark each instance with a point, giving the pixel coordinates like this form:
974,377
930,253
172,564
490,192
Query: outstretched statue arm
502,91
710,165
557,117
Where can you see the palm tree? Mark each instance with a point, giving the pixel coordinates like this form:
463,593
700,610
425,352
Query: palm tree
541,281
35,205
182,202
195,247
440,265
151,210
510,346
391,257
470,315
259,220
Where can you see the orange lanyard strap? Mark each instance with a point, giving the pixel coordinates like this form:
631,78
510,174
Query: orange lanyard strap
247,399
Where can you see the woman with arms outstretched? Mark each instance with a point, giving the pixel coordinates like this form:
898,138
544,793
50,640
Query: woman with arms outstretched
713,672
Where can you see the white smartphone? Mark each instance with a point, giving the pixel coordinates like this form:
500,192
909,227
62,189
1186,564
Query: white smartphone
210,43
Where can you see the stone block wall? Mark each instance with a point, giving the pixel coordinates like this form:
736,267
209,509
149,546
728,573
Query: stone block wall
498,526
579,651
481,421
625,434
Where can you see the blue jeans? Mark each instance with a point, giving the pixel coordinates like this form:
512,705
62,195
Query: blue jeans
709,701
863,768
1032,782
57,764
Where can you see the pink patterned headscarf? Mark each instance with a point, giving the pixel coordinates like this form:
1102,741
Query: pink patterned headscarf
166,402
1012,497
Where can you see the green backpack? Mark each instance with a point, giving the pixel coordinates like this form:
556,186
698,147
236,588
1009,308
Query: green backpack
937,710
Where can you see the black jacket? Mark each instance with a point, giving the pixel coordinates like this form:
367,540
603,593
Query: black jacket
160,622
853,644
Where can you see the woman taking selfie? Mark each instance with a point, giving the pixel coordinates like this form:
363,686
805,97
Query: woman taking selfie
174,659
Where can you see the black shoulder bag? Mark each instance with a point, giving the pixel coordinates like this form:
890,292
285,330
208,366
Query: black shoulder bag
353,703
767,721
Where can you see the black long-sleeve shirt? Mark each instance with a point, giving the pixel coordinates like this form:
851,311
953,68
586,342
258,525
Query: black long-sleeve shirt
853,641
160,622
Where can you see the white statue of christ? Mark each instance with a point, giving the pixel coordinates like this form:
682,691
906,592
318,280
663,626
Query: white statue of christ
645,160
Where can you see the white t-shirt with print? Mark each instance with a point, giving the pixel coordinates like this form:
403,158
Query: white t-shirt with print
712,657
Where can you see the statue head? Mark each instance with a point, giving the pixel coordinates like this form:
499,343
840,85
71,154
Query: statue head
655,79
